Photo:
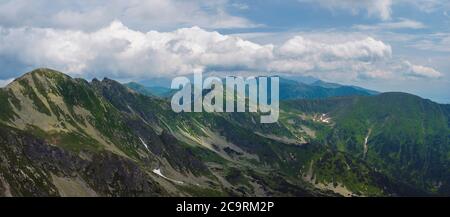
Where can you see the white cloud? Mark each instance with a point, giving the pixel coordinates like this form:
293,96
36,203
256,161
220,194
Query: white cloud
240,6
139,14
337,60
428,6
380,8
376,8
400,24
119,52
433,42
421,71
364,50
5,82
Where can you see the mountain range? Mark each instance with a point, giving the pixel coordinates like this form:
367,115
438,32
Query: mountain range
63,136
290,88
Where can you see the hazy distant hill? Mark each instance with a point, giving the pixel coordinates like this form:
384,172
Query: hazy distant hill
150,91
289,89
318,90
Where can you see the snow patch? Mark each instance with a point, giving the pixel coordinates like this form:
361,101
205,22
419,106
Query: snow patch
158,172
322,118
143,143
366,147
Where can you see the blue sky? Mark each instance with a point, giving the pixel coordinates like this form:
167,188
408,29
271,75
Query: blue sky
425,43
387,45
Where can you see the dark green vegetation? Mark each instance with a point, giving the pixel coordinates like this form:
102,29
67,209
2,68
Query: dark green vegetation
69,137
406,137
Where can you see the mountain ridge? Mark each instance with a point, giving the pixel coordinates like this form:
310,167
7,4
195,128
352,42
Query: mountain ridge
289,89
226,154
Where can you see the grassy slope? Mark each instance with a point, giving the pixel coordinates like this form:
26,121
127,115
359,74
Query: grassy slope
409,136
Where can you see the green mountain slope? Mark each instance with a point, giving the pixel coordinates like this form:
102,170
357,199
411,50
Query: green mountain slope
104,123
64,136
400,134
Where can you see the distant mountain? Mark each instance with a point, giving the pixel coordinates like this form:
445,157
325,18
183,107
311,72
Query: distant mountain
300,79
156,82
335,85
324,84
290,89
61,136
150,91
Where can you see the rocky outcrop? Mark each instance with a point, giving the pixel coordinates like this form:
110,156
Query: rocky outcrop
28,165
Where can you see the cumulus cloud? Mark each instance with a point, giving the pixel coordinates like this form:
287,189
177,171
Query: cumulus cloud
375,8
121,52
117,51
139,14
364,50
421,71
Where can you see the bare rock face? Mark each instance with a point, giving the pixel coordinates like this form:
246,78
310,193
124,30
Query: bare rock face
19,176
29,165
